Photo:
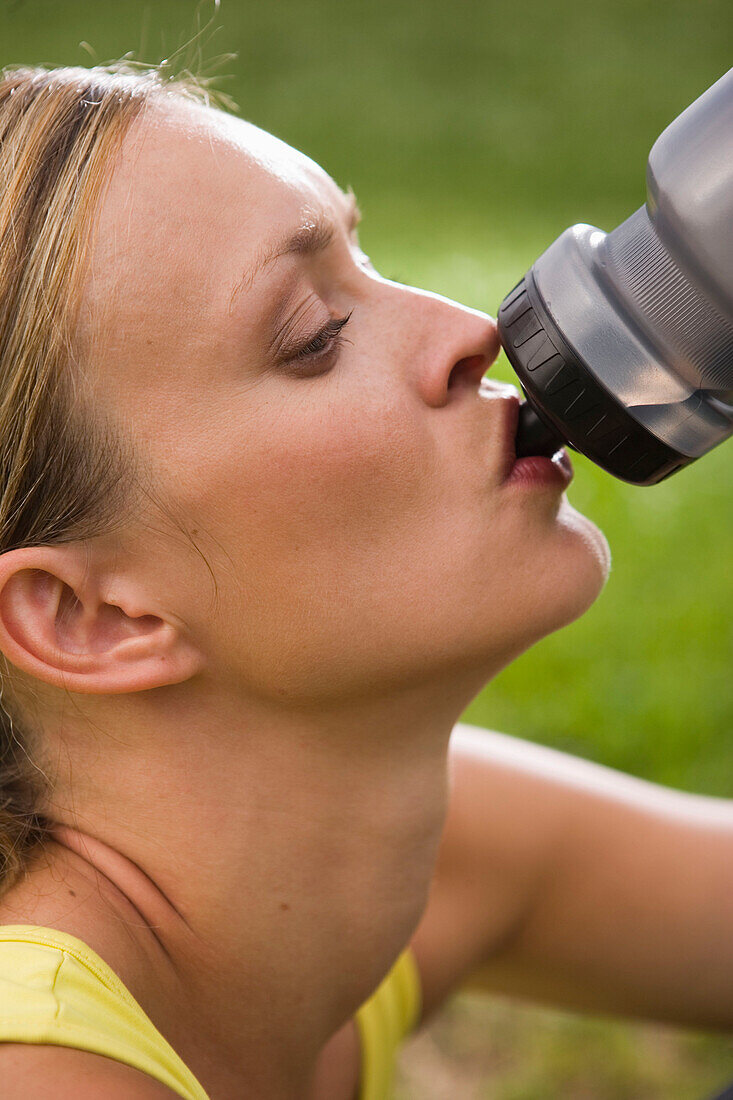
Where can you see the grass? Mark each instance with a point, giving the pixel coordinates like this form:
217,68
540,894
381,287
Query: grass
479,1049
473,133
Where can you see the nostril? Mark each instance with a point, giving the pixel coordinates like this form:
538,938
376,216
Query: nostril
468,371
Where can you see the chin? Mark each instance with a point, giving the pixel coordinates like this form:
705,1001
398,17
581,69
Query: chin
563,577
596,543
546,589
587,560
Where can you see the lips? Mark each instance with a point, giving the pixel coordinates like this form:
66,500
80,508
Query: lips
531,469
538,470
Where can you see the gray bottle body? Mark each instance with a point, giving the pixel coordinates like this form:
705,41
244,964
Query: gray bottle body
645,312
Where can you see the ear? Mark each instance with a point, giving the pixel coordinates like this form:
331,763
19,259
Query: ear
69,626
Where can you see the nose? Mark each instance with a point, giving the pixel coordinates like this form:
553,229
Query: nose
461,346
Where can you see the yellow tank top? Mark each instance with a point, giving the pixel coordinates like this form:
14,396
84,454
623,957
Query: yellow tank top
55,989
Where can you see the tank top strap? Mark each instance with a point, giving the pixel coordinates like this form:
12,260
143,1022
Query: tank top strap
383,1021
55,989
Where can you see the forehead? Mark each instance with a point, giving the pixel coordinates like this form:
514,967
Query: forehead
184,153
194,197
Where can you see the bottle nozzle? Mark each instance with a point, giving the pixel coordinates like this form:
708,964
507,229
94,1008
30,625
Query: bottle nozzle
534,436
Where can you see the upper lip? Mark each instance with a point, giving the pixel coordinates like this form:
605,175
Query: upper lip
507,421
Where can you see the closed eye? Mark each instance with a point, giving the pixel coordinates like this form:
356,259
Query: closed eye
325,340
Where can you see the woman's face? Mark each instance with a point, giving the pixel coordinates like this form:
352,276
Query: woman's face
343,480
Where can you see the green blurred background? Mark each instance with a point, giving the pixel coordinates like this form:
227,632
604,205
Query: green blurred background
473,134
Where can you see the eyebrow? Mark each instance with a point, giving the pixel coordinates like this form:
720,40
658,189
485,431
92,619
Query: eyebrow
314,235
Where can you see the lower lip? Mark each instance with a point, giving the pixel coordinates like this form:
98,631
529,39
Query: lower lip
538,470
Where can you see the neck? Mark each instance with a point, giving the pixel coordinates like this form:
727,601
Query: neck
281,862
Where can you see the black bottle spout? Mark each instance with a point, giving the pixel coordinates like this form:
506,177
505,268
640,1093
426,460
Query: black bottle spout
534,436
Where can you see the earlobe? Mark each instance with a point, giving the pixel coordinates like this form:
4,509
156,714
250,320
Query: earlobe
56,625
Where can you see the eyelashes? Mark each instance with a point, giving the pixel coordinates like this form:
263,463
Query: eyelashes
324,344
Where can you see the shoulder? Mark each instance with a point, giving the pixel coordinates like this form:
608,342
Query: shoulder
34,1071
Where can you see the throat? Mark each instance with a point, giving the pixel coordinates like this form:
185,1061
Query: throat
252,913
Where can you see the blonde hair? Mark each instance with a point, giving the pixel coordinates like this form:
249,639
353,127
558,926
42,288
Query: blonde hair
64,474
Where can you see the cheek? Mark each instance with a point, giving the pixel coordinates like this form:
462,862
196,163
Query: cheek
334,476
317,518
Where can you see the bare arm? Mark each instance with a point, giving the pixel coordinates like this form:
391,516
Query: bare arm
575,885
37,1071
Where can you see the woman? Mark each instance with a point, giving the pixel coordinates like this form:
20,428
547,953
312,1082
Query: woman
263,540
